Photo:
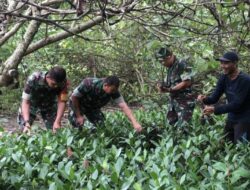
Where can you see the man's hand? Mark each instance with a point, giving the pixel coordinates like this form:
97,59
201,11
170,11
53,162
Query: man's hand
26,128
208,110
56,126
162,88
200,98
80,120
137,127
69,152
158,86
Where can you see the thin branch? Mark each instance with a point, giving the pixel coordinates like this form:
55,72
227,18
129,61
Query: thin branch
10,33
63,35
48,21
52,10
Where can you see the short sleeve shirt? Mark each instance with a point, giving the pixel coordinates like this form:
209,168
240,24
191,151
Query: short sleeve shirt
177,73
91,94
39,93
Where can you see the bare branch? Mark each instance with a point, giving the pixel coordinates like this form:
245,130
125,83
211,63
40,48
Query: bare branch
13,61
10,33
63,35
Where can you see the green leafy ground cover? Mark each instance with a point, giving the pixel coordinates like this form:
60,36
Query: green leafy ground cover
115,157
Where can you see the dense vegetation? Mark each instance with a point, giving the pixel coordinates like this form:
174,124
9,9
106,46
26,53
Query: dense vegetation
115,158
123,42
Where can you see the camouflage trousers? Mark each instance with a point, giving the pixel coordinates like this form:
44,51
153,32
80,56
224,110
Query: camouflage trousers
48,116
95,116
180,110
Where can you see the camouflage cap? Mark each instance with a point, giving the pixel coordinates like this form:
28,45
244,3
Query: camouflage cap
163,52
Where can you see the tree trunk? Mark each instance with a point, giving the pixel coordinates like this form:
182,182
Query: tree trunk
13,61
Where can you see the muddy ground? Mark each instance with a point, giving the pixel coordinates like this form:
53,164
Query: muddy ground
9,122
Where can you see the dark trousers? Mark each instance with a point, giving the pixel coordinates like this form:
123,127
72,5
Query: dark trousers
48,115
237,131
94,116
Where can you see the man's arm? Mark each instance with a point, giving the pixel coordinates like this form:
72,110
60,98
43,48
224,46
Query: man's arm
60,110
61,104
186,75
25,107
84,88
219,90
26,96
76,108
130,115
182,85
76,105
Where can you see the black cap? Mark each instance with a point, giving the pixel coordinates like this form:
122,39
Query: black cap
229,57
163,52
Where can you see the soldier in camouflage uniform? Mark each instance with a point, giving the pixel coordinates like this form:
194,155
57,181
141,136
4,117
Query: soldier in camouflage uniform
92,94
44,92
178,84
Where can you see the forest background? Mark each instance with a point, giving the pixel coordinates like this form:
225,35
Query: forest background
97,38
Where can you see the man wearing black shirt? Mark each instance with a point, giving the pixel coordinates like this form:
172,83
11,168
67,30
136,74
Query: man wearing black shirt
236,86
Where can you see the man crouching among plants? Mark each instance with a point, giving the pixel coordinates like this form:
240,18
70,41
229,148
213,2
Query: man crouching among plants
44,92
91,95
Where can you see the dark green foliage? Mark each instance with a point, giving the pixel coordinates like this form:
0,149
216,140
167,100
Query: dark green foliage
9,100
114,157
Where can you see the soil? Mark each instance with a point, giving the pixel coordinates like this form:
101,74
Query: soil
9,122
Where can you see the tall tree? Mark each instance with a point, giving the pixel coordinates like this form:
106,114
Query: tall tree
69,18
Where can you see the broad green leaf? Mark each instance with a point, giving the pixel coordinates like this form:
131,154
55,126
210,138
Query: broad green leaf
128,183
94,175
154,175
240,173
220,166
187,154
118,165
137,186
114,178
30,141
183,178
52,186
188,143
28,169
43,172
89,185
48,148
118,152
68,167
16,157
211,171
105,164
138,151
69,140
207,158
2,162
52,157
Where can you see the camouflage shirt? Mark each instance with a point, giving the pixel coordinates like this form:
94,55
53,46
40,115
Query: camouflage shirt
177,73
40,94
91,94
